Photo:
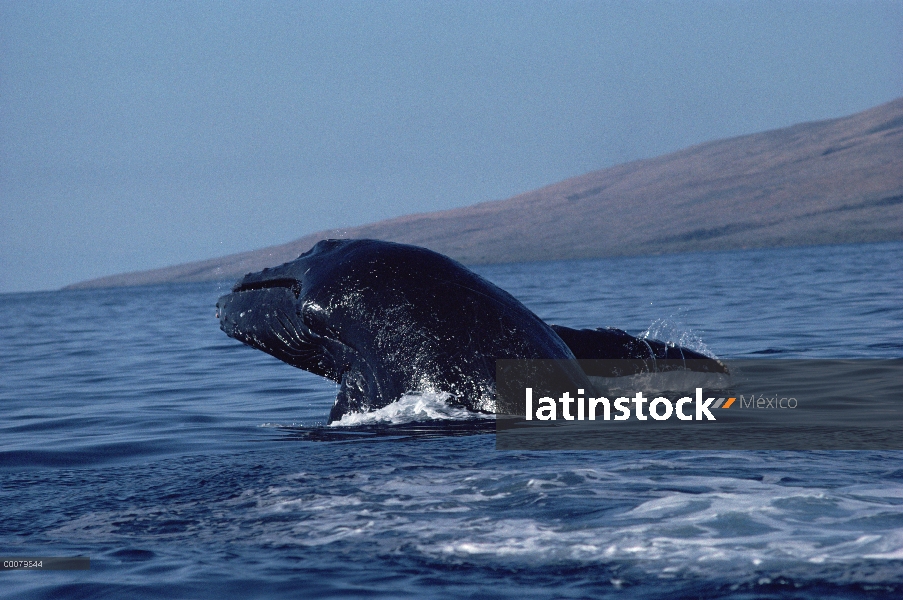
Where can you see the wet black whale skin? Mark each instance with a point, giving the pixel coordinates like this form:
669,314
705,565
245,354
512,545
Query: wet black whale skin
384,319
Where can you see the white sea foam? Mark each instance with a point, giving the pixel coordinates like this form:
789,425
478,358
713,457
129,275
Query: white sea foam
723,527
410,408
735,528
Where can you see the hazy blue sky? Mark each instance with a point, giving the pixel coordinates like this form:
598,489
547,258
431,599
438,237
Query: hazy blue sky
135,136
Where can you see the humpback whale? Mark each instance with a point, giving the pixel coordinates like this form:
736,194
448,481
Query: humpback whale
383,319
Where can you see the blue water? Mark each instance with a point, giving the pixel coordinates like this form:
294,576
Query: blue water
134,432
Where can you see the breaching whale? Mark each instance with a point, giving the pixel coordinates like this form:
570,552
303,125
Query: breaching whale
383,319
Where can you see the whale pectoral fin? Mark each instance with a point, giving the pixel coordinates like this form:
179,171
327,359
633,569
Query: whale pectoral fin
352,397
591,344
362,390
649,355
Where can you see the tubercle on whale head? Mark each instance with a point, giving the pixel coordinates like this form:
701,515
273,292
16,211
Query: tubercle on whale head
284,276
291,275
289,283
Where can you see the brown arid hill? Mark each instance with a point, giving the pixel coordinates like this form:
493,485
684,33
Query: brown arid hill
827,182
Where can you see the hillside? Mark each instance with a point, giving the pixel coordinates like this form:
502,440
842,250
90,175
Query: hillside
835,181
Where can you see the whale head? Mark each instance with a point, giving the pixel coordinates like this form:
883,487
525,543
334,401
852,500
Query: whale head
275,311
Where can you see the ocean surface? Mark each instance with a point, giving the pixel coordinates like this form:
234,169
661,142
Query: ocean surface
186,465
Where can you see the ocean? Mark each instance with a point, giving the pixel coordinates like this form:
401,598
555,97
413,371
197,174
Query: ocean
186,465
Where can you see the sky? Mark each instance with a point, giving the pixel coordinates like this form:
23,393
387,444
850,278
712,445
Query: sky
140,135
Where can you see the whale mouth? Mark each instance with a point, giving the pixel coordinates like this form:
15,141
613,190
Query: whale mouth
264,315
283,282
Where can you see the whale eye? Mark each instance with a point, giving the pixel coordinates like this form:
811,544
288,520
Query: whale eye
296,289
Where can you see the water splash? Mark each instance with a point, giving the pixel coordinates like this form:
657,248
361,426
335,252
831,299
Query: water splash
673,331
411,408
